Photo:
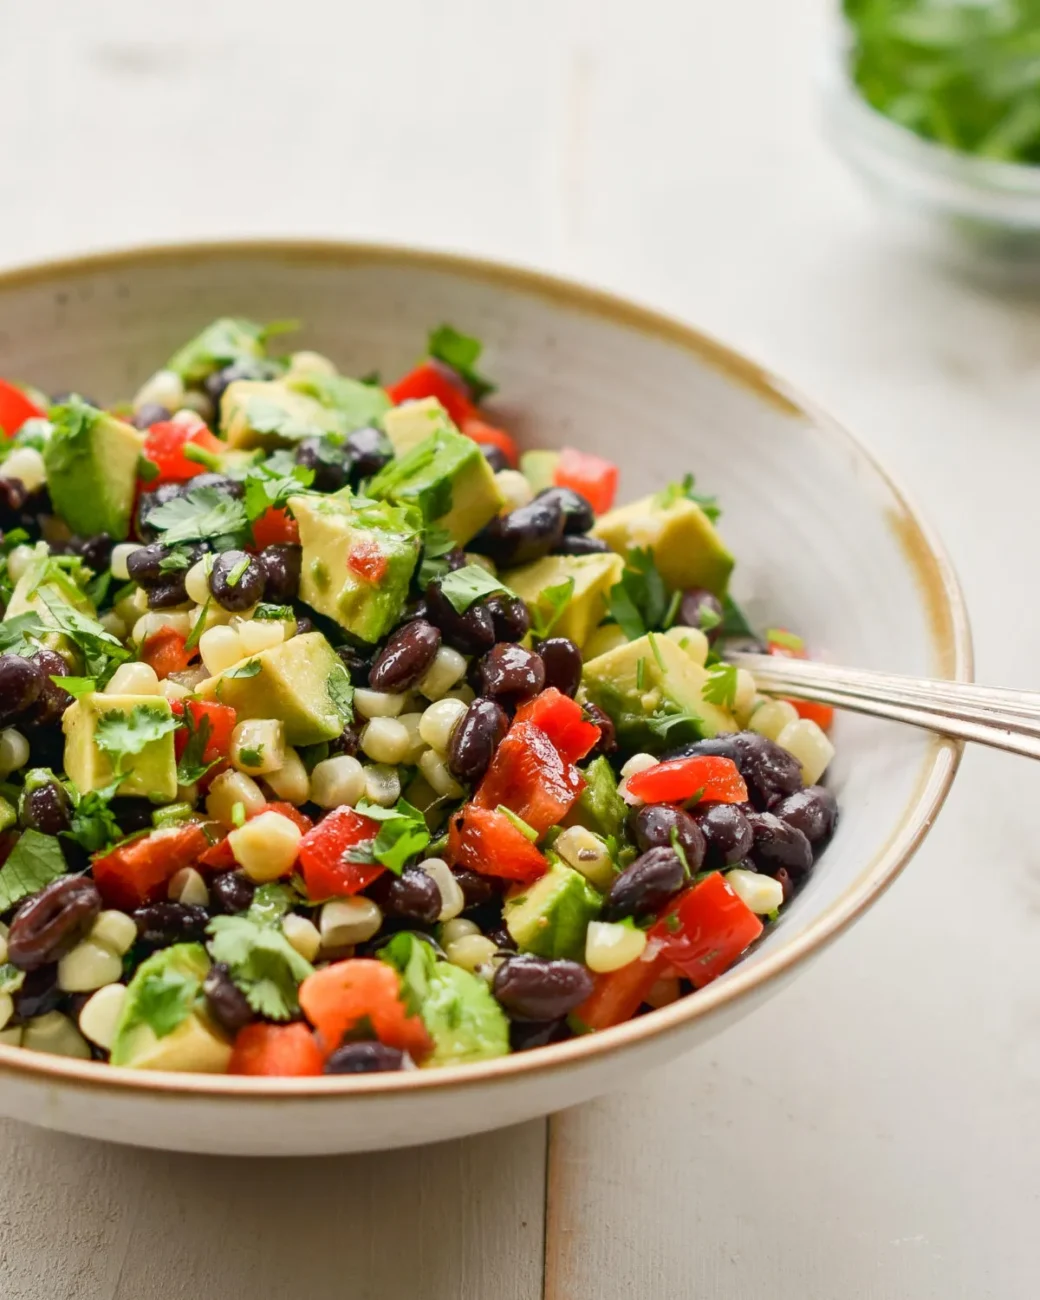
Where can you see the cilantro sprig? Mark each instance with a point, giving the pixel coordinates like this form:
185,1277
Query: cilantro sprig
641,602
461,352
121,736
403,833
33,863
262,962
463,587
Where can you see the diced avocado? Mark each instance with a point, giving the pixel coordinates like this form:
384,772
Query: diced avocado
600,808
358,404
539,468
42,574
358,559
92,459
300,683
269,413
608,636
8,814
163,1024
593,576
550,917
408,425
653,680
688,550
222,343
151,773
448,478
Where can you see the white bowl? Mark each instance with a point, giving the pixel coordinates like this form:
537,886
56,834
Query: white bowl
826,544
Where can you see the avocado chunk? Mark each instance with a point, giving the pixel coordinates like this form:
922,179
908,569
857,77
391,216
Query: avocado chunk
358,559
539,468
163,1024
599,808
448,478
550,917
152,772
301,683
43,575
271,413
688,550
592,575
408,425
92,460
357,403
652,690
224,342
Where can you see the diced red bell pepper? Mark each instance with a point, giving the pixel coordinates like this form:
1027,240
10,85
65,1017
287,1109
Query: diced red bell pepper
530,778
562,721
342,996
367,559
705,930
166,652
617,996
821,714
787,645
486,434
137,872
275,1050
323,855
275,525
164,445
430,380
717,780
221,719
487,841
595,478
16,408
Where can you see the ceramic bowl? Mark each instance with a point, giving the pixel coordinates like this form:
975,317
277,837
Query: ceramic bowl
826,544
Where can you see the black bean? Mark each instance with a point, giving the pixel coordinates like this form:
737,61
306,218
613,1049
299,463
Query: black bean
539,989
562,660
148,503
509,617
607,742
783,879
328,462
348,741
13,497
813,811
248,368
226,1002
471,633
727,833
698,607
523,535
645,886
510,674
411,896
53,699
523,1035
654,825
21,682
281,563
405,657
476,889
132,813
369,450
364,1058
145,564
94,551
46,744
356,664
45,806
475,739
236,580
714,747
501,938
52,922
148,414
39,993
769,771
578,545
223,483
578,515
495,456
777,844
230,892
168,593
304,624
160,924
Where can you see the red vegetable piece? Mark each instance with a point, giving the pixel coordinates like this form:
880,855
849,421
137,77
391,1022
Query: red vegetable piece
595,478
221,719
705,930
489,436
787,645
561,719
347,993
530,778
275,1050
487,841
164,445
16,408
717,780
274,525
821,714
368,561
617,996
429,380
166,652
219,856
323,855
137,872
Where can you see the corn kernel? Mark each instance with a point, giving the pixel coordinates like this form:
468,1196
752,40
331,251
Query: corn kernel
439,721
639,763
133,679
114,930
172,690
337,782
258,746
515,489
762,894
258,634
382,785
770,718
377,704
220,647
453,900
26,463
310,363
88,966
101,1013
157,621
744,696
610,945
290,782
6,1009
587,853
18,561
113,624
230,788
196,580
348,921
385,740
447,669
187,886
266,847
456,929
416,745
437,773
55,1034
692,640
120,554
471,952
164,388
808,742
14,751
302,934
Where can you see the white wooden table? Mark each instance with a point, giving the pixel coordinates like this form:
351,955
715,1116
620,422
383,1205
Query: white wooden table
875,1133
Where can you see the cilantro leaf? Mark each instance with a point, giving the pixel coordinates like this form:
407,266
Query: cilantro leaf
271,485
34,862
271,902
438,543
556,598
341,693
250,668
102,652
164,998
262,962
192,766
122,735
201,514
21,634
94,826
668,716
176,561
220,344
462,353
640,602
733,621
471,583
76,686
402,835
721,686
267,612
359,403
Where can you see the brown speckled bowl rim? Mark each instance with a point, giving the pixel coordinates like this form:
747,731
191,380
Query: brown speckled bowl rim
941,597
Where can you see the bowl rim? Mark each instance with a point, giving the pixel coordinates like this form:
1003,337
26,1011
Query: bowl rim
941,597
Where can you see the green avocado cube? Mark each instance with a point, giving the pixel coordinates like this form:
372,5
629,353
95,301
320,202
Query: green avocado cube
270,413
462,1017
358,559
599,808
539,468
223,342
592,577
688,550
301,683
92,461
413,422
551,916
357,403
448,478
152,773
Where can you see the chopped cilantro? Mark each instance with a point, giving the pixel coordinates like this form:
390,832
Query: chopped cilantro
238,814
437,544
237,571
102,652
721,686
640,602
271,902
175,562
707,618
462,353
272,484
250,668
251,757
672,923
471,583
163,999
76,686
685,490
262,962
122,735
402,835
266,612
21,634
341,694
201,514
34,862
733,621
200,626
192,766
679,851
94,826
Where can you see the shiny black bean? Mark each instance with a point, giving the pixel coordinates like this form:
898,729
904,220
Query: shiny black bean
94,551
536,988
329,463
170,592
523,1035
476,889
224,484
237,580
470,633
44,805
783,879
39,993
607,742
776,844
252,368
495,456
411,896
562,660
369,450
645,886
770,772
576,544
151,501
53,699
348,741
281,563
356,664
405,657
160,924
13,497
727,833
150,413
509,617
133,814
226,1002
578,515
501,938
510,674
230,892
475,739
701,608
715,747
21,682
813,811
52,922
145,564
304,624
523,535
364,1058
653,826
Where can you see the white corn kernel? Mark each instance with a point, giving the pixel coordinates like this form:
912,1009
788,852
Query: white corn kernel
465,693
385,740
258,746
26,463
382,785
455,929
188,886
416,745
258,634
337,782
471,952
377,704
453,900
439,721
438,775
266,847
55,1034
114,930
291,781
155,621
587,853
113,624
514,488
173,690
347,921
770,718
164,388
809,743
120,554
18,561
133,679
140,600
302,934
6,1009
602,640
310,363
744,696
447,668
100,1015
639,763
196,580
220,647
88,966
14,751
610,945
762,894
210,615
692,640
231,788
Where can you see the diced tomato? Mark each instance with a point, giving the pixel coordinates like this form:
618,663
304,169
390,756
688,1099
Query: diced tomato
487,841
821,714
348,993
221,719
595,478
137,872
430,380
368,560
530,778
275,1050
562,721
323,855
16,408
275,525
219,857
716,779
489,436
617,996
164,445
705,930
166,652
